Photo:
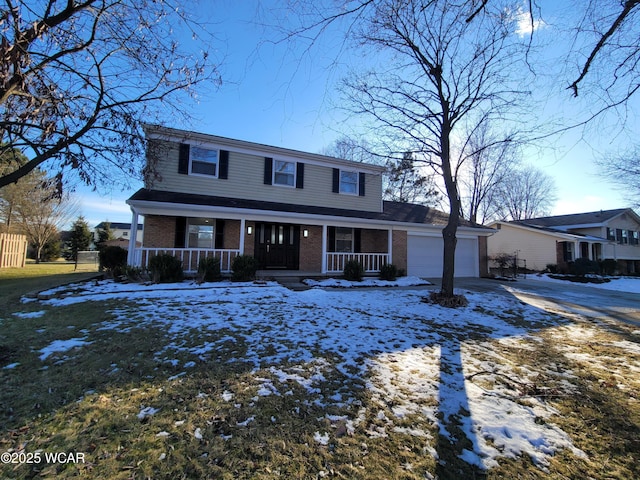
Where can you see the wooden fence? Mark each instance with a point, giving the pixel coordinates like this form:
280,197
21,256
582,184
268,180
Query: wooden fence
13,250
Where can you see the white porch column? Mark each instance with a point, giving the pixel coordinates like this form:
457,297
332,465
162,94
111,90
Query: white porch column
576,251
133,234
324,248
243,229
390,244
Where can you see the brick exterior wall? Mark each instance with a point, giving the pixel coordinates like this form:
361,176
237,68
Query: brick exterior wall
231,237
374,241
159,231
483,256
311,249
399,253
249,240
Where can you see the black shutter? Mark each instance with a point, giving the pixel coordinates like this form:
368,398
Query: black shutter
223,171
268,171
361,184
299,175
181,232
219,241
183,159
331,240
336,180
357,240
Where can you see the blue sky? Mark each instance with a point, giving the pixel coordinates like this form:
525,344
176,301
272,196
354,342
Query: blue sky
269,95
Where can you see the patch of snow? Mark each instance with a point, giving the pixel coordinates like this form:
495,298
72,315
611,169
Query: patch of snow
413,360
11,366
366,282
322,439
62,346
147,412
620,284
246,422
30,314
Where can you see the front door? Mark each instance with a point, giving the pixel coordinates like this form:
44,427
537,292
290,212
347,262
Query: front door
278,246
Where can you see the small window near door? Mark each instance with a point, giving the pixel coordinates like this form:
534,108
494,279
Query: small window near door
344,240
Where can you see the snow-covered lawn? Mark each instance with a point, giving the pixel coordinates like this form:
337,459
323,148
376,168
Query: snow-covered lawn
388,362
620,284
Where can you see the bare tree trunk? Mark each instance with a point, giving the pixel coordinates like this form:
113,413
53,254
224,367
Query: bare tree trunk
449,232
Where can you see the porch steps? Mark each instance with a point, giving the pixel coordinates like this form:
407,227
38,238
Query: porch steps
292,282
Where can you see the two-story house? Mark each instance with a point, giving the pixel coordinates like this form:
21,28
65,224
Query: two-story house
605,234
291,210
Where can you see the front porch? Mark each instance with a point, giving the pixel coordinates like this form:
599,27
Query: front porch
191,258
317,249
570,251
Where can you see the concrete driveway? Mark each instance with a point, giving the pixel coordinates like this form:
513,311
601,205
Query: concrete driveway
567,299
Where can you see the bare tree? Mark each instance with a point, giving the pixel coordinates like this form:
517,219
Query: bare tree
77,78
605,43
352,149
439,73
624,170
41,212
526,193
489,162
609,29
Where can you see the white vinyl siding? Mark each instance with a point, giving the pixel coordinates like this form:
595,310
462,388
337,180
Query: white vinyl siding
246,180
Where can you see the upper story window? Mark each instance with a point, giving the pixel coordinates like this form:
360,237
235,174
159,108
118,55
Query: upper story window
625,237
284,173
204,161
349,182
200,160
280,172
634,237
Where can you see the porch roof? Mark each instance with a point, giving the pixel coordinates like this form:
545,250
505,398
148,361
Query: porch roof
395,212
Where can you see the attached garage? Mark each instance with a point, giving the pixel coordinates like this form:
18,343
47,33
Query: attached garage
424,256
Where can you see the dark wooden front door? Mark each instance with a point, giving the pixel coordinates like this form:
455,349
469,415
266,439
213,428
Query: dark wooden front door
278,246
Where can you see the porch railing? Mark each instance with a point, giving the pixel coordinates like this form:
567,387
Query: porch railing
190,257
371,262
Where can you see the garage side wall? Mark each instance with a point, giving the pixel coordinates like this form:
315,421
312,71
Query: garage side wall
539,249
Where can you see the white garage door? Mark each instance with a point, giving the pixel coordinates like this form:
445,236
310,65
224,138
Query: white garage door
424,256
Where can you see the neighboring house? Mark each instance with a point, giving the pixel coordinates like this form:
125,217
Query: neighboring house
120,230
291,210
560,239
